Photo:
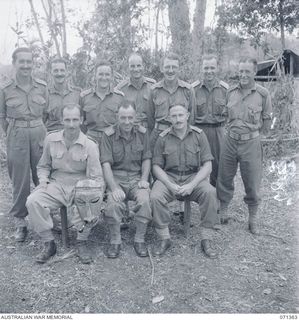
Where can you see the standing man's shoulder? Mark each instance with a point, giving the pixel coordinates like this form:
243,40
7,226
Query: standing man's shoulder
157,85
262,90
164,133
75,88
7,83
196,130
86,92
109,131
224,84
40,81
124,83
185,84
118,92
150,80
196,84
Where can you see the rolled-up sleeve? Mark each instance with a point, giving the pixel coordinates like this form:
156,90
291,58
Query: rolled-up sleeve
147,154
94,168
45,163
158,158
205,150
106,150
267,108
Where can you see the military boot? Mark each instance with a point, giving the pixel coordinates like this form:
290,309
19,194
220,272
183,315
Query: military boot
48,251
83,252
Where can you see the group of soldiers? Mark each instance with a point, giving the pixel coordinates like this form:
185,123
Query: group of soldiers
142,141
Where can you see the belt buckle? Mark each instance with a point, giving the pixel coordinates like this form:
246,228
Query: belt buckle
28,123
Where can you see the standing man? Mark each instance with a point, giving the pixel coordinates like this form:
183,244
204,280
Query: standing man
248,111
210,102
100,104
137,88
69,171
168,92
60,93
182,165
23,102
126,161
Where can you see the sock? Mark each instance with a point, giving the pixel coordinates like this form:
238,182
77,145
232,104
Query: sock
140,231
163,233
115,237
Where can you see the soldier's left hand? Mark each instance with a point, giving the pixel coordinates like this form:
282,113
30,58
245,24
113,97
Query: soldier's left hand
186,189
142,184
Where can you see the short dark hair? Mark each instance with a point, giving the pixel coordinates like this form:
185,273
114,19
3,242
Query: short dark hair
71,106
177,105
58,60
170,56
248,59
127,104
135,54
105,63
18,50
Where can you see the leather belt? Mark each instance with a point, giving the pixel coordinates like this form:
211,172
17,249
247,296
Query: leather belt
181,173
211,125
27,123
124,173
161,126
244,136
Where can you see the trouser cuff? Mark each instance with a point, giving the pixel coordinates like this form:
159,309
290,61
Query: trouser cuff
140,231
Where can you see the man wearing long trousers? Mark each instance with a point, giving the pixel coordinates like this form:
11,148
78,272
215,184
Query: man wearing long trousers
248,112
169,91
126,161
182,165
137,88
101,102
210,102
23,102
69,171
61,92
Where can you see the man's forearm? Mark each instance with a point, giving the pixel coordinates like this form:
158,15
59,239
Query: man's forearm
108,175
161,175
203,173
145,169
4,124
266,126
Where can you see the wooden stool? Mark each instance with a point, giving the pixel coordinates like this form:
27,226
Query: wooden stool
64,233
187,216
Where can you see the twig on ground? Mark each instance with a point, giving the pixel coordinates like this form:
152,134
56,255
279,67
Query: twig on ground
273,236
153,267
66,256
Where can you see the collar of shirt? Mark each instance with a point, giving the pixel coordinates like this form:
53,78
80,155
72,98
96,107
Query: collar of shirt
118,133
179,83
81,139
16,84
130,83
111,90
251,89
65,91
215,85
172,132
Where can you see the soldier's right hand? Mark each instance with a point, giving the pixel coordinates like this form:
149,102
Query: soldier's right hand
174,188
42,185
118,195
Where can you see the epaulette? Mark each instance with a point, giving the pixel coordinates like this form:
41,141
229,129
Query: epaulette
234,87
196,129
195,83
157,85
118,92
75,88
92,139
40,81
122,84
53,131
109,131
184,84
86,92
224,84
141,129
6,83
263,91
165,132
150,80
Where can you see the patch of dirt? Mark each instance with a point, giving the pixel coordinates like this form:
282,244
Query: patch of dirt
253,274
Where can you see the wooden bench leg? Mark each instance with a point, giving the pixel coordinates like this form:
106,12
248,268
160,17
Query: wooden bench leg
64,233
187,217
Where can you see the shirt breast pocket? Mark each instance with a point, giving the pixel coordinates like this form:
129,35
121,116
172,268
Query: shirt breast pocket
79,156
254,113
38,105
219,105
57,156
137,152
192,156
161,108
201,107
118,153
171,158
15,107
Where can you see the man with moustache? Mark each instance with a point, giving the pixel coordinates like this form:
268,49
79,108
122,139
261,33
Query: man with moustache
23,102
69,171
137,88
169,91
100,103
182,165
210,102
126,161
61,92
248,111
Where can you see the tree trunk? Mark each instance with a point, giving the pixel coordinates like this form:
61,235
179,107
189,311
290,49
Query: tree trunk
157,30
179,22
64,40
198,34
37,23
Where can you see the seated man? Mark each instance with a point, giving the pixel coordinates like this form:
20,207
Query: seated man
69,168
182,166
126,161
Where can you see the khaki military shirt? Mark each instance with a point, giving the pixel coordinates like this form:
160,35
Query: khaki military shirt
123,154
174,155
100,114
57,100
210,104
67,166
161,99
139,96
16,103
246,112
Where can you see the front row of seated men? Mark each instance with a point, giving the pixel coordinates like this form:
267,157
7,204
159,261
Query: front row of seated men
70,172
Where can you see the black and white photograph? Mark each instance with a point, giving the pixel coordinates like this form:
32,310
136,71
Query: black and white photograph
149,154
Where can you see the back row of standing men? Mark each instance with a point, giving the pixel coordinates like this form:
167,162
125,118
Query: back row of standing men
26,104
